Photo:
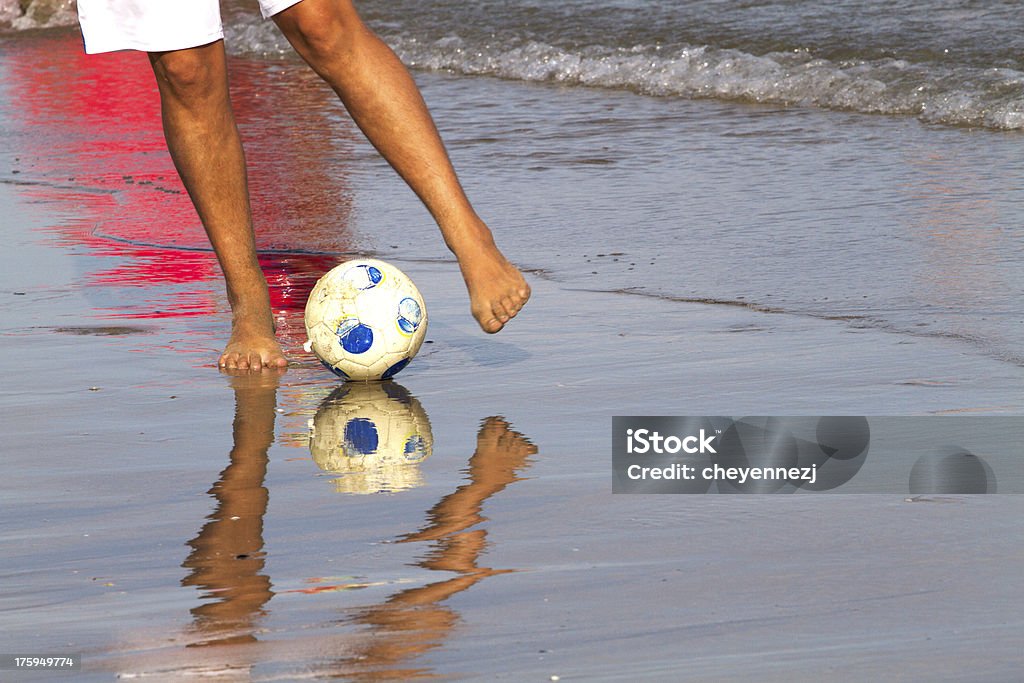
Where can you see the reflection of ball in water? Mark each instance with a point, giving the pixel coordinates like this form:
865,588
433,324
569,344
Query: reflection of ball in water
956,471
365,320
373,435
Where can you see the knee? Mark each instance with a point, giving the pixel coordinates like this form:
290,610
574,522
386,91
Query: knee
186,74
323,37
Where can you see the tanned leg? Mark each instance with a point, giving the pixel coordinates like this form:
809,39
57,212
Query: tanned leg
385,103
203,141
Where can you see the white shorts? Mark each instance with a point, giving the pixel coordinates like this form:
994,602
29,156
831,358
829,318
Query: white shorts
156,25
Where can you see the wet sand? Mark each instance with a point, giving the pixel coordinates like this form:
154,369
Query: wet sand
168,521
128,457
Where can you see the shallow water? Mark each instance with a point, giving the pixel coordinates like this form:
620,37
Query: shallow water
883,222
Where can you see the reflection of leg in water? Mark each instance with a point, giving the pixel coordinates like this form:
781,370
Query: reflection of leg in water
227,555
499,453
412,622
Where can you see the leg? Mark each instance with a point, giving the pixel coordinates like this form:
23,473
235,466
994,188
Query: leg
384,102
203,141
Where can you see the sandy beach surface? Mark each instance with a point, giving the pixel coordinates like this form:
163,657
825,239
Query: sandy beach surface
170,522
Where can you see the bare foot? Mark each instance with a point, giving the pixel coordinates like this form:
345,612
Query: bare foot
497,290
251,347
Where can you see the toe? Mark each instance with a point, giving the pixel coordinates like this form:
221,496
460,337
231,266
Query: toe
491,325
487,319
510,307
500,312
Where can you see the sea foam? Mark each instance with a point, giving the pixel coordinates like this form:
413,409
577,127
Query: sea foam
970,96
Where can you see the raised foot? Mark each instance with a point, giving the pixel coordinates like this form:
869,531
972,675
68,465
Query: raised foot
497,290
252,351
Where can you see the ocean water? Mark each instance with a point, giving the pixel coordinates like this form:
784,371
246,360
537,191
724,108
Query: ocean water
854,161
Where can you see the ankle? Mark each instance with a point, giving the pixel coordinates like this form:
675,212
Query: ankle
469,238
255,320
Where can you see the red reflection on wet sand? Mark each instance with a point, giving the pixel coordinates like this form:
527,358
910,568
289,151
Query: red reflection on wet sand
88,135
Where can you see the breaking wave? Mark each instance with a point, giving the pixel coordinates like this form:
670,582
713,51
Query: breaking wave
941,93
967,96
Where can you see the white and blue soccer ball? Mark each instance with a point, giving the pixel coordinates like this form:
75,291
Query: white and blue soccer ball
365,320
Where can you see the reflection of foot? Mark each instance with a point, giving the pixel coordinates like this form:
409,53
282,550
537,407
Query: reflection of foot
497,290
497,438
251,347
500,453
245,381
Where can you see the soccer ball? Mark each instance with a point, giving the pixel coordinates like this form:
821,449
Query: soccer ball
365,320
374,435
